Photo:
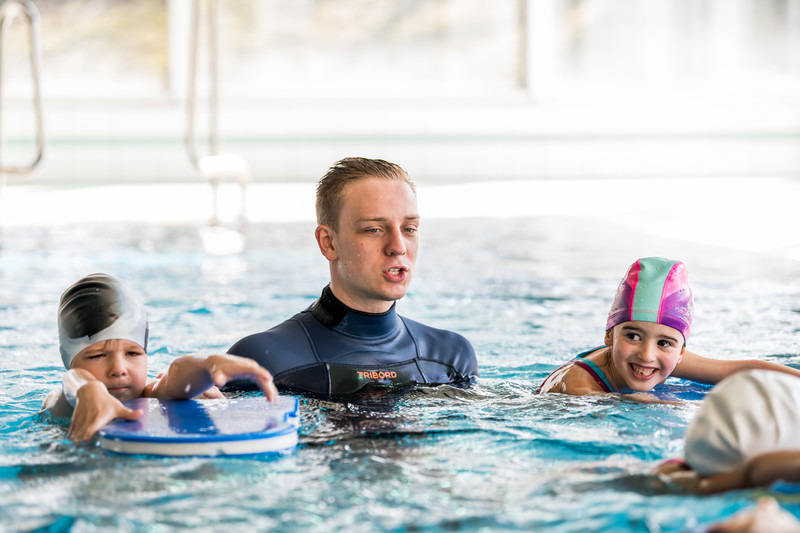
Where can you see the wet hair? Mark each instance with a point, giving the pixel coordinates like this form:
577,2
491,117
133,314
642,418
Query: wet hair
95,308
347,170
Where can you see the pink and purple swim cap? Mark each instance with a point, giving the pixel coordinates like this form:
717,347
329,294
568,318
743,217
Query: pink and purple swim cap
654,290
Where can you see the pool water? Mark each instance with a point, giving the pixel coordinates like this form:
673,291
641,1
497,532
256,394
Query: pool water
528,292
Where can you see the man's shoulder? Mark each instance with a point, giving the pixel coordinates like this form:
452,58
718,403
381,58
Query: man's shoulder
288,331
419,329
443,347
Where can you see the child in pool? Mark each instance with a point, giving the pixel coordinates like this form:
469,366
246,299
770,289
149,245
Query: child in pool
102,332
745,434
645,340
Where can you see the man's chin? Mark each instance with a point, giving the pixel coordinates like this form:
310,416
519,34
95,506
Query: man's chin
393,296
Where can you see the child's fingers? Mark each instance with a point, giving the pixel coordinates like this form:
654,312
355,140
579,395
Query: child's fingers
264,380
271,391
82,432
234,367
219,377
131,414
78,427
259,375
213,394
92,430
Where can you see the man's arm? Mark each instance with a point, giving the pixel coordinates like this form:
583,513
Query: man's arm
712,371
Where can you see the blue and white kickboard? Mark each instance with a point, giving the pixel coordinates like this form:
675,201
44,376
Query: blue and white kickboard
240,426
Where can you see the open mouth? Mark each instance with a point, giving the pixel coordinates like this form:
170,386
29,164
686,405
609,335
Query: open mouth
642,372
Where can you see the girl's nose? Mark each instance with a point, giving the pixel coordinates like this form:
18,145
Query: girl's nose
648,352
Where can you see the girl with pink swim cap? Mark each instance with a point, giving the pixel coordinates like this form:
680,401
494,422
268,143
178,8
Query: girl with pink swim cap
645,340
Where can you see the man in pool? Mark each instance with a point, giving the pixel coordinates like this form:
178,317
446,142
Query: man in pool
351,338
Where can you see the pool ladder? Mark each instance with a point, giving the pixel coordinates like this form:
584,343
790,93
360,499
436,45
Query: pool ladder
214,166
10,10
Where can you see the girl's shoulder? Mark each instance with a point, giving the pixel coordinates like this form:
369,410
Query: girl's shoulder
579,376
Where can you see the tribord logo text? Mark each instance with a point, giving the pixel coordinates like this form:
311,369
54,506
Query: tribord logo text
378,374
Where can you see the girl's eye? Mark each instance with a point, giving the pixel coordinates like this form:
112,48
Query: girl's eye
633,336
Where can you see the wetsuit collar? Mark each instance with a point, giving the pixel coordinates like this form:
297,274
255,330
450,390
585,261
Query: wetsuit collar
332,313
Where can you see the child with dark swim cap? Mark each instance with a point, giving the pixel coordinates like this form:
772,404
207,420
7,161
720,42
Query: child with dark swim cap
102,333
645,340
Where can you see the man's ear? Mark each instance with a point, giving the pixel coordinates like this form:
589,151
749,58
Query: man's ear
609,337
325,238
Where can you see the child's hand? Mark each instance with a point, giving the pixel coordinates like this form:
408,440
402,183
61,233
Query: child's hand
646,397
688,480
767,517
223,368
190,376
96,408
212,394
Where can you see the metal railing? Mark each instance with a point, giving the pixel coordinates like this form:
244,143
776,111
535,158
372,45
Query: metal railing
214,166
10,10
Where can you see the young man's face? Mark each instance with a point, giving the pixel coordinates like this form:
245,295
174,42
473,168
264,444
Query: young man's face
373,252
644,353
120,364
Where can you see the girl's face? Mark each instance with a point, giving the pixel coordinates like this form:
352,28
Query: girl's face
644,354
120,364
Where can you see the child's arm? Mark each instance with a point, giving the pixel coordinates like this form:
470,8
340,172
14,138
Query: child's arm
767,468
190,376
88,402
760,471
712,371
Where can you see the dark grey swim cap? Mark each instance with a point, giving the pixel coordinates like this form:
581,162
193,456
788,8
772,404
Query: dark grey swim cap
96,308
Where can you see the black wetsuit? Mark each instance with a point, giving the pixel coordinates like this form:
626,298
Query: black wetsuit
331,349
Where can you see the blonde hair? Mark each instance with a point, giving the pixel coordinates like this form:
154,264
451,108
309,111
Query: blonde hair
344,171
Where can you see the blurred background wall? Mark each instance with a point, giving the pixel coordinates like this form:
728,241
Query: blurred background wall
453,90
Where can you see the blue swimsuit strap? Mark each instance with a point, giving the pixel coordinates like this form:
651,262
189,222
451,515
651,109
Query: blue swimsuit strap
598,375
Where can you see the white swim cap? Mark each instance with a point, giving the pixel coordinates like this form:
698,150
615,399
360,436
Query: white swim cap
747,414
96,308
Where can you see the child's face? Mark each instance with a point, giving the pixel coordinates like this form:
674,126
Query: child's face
644,354
120,364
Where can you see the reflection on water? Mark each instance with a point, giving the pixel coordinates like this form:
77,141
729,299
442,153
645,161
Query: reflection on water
529,293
